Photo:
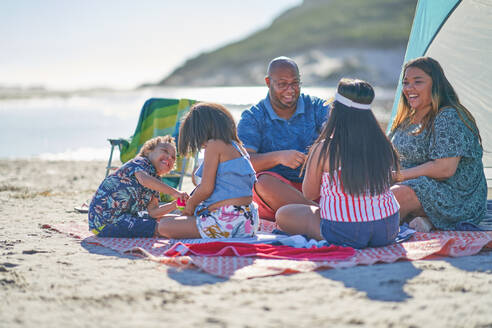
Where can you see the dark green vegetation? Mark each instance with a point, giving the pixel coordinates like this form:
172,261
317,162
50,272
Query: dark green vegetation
316,24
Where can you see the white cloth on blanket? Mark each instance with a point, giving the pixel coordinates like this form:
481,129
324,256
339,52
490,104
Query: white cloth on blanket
299,241
259,238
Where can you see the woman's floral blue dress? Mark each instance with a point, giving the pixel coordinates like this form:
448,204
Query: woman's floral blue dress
462,197
121,195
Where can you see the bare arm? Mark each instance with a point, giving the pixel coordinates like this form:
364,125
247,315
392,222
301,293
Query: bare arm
312,178
155,184
439,169
290,158
211,162
157,211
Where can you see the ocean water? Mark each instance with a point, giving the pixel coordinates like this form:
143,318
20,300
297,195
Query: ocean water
76,126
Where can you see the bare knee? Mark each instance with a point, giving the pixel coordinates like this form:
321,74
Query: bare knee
284,216
299,219
166,226
408,200
401,192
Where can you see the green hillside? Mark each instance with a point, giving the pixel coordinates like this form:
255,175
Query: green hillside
315,24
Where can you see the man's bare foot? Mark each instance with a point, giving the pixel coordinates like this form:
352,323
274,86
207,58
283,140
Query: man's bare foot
421,224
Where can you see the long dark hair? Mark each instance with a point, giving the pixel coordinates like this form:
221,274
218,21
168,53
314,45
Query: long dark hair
442,96
355,143
203,122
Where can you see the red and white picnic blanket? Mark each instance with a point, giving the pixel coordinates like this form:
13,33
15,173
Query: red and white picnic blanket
257,262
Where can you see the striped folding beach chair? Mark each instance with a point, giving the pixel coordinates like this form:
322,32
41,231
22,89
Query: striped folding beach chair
158,117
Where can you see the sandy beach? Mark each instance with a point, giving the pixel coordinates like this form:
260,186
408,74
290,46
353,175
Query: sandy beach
48,279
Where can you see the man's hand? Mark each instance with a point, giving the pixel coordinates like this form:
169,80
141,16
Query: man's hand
291,158
265,161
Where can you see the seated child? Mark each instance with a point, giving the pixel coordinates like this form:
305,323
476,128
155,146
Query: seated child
350,166
221,205
126,204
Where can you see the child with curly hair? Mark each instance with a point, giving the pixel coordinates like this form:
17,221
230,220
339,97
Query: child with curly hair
126,204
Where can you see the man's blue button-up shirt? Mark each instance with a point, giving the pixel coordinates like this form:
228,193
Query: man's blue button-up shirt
262,130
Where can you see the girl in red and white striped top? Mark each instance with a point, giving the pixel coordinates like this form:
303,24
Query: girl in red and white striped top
350,168
336,205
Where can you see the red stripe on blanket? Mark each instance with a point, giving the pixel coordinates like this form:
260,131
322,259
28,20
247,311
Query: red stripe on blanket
325,253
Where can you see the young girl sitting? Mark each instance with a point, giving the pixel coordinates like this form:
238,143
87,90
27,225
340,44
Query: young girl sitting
126,203
350,166
221,205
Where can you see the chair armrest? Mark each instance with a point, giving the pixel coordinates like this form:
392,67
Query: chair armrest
118,142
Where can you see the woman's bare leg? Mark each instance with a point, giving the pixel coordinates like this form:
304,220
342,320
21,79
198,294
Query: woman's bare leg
409,203
300,219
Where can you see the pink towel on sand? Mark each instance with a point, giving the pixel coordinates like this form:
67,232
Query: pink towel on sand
325,253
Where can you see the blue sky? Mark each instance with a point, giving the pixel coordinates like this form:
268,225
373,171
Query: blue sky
67,44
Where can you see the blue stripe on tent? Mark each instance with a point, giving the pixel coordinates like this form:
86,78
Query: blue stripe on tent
430,16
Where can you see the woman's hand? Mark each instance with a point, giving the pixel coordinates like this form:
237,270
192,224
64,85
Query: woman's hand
438,169
397,176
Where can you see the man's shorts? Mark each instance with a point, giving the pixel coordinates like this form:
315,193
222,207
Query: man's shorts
265,211
129,226
361,234
229,221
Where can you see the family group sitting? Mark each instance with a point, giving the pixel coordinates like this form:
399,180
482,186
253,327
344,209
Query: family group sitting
325,170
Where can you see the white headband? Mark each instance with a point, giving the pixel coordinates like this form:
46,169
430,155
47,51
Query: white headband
349,103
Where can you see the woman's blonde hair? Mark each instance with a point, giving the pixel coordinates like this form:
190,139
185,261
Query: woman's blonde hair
150,144
442,96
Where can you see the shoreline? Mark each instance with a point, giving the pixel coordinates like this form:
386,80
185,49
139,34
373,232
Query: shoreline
77,126
49,279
